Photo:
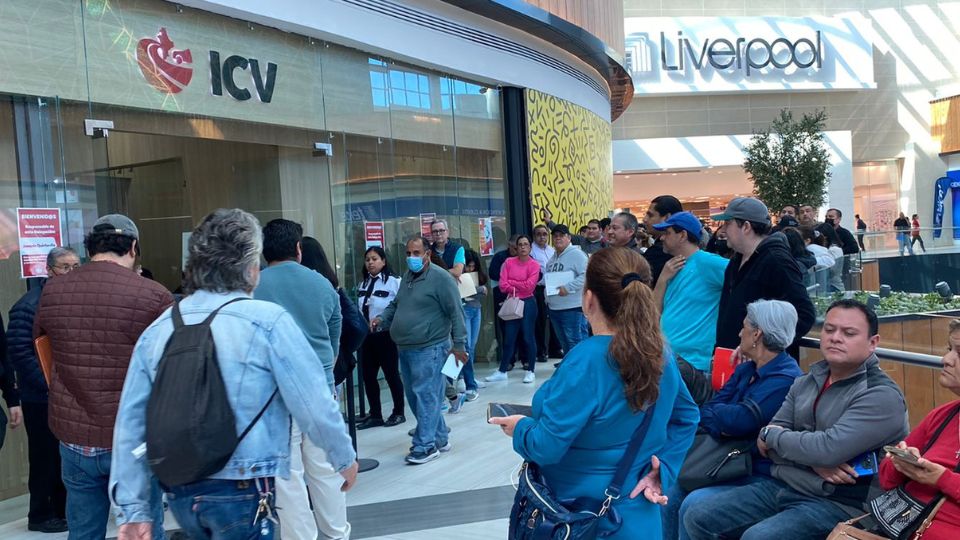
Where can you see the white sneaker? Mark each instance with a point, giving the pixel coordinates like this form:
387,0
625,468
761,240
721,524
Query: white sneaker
481,384
496,376
529,377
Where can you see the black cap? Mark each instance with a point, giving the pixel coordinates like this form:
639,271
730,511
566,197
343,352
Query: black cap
787,221
561,229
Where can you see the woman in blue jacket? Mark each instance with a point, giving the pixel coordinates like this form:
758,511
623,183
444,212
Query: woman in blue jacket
750,399
584,416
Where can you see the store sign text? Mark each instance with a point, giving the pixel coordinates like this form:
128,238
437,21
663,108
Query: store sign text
223,76
758,53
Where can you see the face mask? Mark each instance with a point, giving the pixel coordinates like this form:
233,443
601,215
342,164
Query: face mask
415,264
720,246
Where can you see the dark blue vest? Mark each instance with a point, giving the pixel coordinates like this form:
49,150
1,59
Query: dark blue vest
449,253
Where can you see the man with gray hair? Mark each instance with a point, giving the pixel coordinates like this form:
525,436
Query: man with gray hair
262,353
48,496
623,229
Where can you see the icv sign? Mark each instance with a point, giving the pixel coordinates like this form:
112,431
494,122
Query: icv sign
692,55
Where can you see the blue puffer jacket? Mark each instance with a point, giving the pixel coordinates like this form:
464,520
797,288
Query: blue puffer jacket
33,387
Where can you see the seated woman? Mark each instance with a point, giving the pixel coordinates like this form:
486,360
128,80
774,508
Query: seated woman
934,475
584,416
749,400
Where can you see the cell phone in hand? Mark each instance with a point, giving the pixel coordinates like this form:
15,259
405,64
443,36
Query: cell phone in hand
499,410
902,455
865,464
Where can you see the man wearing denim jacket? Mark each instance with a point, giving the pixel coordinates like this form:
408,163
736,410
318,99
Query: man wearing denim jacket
421,319
259,348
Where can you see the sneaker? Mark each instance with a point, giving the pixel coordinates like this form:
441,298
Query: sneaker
529,377
395,420
481,384
446,448
370,422
412,432
496,376
444,406
457,403
419,458
472,395
52,525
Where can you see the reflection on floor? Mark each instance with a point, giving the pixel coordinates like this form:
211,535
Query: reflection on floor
466,494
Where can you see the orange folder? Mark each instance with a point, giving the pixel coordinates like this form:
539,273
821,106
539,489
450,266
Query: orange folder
722,368
45,354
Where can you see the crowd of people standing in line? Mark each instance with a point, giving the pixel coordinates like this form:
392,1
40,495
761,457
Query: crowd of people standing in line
638,312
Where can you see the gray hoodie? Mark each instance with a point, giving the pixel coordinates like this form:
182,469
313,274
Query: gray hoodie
853,416
573,259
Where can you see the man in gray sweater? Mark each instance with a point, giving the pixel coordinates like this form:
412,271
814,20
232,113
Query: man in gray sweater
426,310
824,443
565,303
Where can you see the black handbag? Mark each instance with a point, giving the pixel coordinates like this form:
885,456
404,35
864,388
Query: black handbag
538,515
712,461
899,515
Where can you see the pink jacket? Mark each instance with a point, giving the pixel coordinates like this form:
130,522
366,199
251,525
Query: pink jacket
519,277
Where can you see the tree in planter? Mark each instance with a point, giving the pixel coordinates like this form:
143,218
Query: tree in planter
788,162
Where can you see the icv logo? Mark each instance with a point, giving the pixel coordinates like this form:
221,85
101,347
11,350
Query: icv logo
165,68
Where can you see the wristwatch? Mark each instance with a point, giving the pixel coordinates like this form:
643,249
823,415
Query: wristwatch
764,432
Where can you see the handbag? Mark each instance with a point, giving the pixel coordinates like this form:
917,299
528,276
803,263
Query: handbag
898,515
538,515
712,461
512,309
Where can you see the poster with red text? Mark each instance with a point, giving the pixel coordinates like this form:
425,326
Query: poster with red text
373,232
425,221
39,232
486,237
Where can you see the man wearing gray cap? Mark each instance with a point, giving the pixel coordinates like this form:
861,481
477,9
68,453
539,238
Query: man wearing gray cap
93,316
762,268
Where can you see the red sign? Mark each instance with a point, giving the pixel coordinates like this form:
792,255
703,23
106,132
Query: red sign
425,221
486,237
165,68
39,232
373,232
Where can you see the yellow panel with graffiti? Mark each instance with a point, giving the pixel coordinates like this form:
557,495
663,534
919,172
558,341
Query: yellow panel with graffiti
571,160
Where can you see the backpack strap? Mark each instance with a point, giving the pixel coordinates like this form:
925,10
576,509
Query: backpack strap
257,417
178,318
612,492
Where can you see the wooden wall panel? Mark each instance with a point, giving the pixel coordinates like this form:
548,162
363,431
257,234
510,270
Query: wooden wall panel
870,276
602,18
919,388
945,123
916,336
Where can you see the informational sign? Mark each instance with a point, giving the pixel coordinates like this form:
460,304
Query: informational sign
373,232
425,221
39,232
486,236
695,55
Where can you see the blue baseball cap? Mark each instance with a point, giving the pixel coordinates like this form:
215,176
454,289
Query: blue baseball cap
684,220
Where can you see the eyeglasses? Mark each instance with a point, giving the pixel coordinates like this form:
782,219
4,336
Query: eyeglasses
66,267
438,231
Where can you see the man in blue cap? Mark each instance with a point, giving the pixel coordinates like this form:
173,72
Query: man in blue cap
689,290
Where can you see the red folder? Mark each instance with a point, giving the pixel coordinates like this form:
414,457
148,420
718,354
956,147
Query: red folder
722,368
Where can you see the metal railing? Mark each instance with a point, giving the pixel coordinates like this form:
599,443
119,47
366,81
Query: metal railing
912,358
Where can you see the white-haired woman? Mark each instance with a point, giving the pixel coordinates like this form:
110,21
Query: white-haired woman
748,401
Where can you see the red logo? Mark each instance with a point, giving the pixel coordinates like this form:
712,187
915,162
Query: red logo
165,68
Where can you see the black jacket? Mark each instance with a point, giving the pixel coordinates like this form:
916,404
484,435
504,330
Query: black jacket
657,257
850,246
770,274
7,379
23,358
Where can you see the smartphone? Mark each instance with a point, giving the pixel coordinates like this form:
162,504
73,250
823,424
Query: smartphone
496,410
865,464
902,454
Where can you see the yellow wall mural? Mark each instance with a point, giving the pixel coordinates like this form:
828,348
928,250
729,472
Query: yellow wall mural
571,161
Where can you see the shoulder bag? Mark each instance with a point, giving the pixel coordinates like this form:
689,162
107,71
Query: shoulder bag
512,308
712,461
538,515
898,515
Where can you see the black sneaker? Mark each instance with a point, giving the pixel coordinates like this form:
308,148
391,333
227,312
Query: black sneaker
419,458
53,525
370,422
395,420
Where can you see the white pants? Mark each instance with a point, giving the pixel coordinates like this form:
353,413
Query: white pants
309,468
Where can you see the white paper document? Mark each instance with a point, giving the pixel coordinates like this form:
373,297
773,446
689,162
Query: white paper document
554,280
468,284
450,367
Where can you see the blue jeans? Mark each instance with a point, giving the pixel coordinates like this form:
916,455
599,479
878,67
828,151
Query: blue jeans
904,240
220,510
679,501
524,329
763,508
424,386
88,502
472,316
570,326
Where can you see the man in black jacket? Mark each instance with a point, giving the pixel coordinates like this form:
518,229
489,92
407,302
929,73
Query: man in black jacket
761,268
661,208
48,496
850,246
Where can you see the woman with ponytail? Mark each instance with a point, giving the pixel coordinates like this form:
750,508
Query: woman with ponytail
584,416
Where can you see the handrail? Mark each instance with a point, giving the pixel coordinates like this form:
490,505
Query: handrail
912,358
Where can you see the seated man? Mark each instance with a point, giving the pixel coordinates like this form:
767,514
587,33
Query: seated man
844,408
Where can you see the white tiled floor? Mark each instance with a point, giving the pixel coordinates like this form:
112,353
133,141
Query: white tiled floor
482,457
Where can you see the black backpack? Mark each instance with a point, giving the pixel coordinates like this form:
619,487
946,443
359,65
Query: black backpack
191,429
353,331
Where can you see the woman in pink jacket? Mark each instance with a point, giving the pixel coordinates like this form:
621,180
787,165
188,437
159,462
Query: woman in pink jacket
519,278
